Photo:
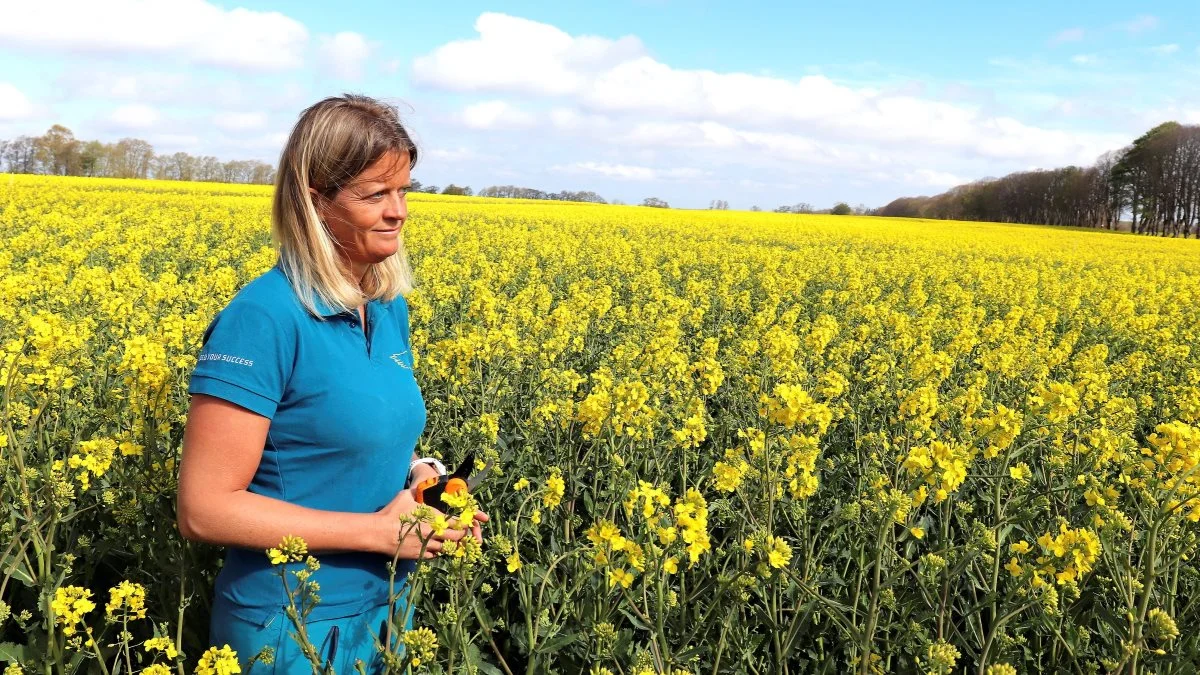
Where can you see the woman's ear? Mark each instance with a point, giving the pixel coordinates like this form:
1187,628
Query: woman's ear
319,203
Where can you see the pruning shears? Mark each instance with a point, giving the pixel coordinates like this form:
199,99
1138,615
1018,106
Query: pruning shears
431,490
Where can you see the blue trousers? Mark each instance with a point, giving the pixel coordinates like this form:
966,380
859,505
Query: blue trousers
340,642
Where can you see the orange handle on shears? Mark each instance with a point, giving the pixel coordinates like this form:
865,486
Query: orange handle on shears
430,490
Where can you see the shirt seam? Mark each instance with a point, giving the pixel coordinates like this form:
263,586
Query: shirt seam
248,390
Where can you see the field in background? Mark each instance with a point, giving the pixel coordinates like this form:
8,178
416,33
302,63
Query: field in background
817,443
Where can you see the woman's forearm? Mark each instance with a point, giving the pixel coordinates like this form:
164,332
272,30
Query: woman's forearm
247,520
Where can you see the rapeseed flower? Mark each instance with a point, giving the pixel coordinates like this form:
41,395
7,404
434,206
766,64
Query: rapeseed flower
218,661
70,604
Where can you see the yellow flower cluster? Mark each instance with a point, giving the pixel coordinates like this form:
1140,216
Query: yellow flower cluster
126,598
291,549
69,605
942,466
218,661
1174,462
790,405
162,644
1068,555
92,459
554,490
422,645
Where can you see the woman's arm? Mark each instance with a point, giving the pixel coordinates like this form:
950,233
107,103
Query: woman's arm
222,447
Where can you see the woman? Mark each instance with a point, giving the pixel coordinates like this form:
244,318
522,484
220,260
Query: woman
304,410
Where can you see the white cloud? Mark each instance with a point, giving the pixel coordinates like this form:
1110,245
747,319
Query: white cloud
629,172
933,178
175,142
453,155
1141,24
344,54
14,105
494,115
1085,59
605,81
239,121
134,116
1165,50
514,54
1067,35
194,31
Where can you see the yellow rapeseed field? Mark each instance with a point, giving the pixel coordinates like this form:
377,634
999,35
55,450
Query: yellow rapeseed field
742,442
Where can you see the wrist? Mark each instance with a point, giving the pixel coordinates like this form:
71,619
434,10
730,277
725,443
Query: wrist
376,533
426,467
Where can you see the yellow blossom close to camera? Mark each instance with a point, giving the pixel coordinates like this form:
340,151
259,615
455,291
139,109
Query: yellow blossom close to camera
70,604
127,597
218,661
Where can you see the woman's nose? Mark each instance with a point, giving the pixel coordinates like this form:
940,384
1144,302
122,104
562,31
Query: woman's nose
397,208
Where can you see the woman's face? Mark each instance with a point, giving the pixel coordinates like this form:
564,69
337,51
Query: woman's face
366,215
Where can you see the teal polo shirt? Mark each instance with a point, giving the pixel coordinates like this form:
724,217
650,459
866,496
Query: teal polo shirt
345,415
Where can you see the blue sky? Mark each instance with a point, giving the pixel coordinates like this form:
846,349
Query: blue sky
755,103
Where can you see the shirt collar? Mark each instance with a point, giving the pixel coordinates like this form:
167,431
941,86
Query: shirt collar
326,311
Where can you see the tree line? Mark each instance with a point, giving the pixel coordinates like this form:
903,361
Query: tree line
57,152
1151,186
515,192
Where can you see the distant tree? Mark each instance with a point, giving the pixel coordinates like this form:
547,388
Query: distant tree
21,155
183,166
92,157
208,168
841,209
58,151
861,210
453,189
755,208
432,189
801,207
1153,185
130,158
415,186
655,202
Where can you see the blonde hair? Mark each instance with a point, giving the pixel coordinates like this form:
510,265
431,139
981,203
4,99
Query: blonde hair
332,143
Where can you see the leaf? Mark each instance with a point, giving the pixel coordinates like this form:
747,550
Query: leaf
488,669
633,619
10,652
11,565
558,642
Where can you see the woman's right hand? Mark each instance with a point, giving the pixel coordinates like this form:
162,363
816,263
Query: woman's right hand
414,534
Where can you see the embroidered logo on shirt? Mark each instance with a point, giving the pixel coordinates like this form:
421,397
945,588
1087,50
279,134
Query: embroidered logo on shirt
400,362
213,356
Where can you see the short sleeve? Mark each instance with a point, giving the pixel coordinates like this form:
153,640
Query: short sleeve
400,309
246,358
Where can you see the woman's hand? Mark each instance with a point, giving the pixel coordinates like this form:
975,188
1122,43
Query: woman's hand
422,471
410,536
476,530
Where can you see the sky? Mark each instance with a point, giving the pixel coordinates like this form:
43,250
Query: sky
755,103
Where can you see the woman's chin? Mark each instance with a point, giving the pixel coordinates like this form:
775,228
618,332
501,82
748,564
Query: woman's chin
382,253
